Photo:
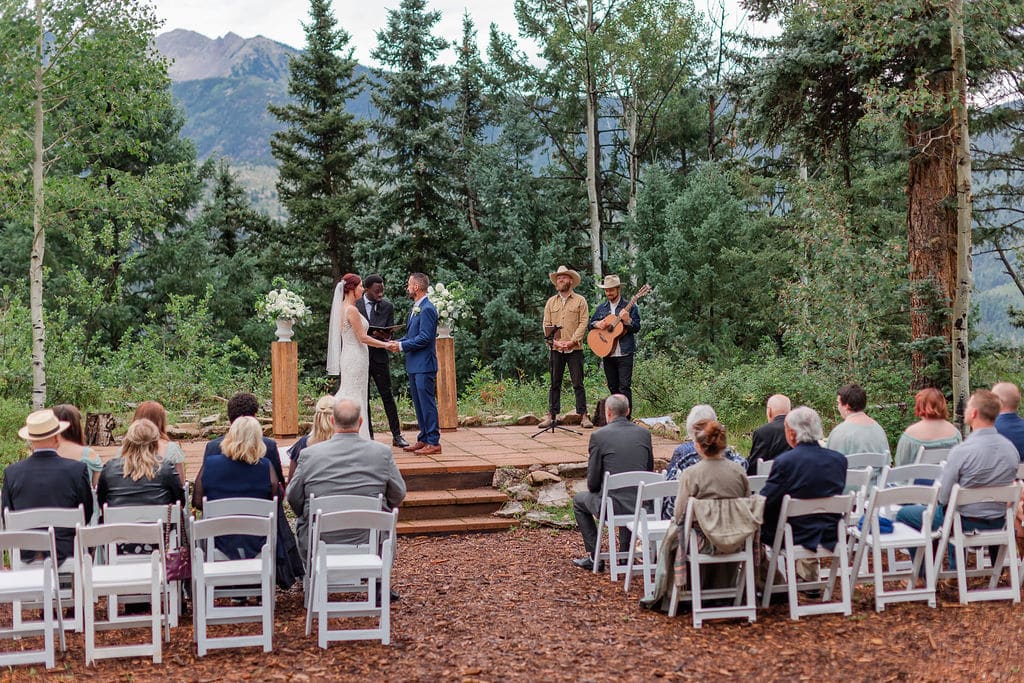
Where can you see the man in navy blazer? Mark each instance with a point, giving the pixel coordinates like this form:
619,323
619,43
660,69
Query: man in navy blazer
420,348
807,470
1009,423
618,365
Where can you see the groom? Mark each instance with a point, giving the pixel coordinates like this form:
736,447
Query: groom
419,346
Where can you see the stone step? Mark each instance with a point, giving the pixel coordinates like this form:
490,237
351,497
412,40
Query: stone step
443,504
454,525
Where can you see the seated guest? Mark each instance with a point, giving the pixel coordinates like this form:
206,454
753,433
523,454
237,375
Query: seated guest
138,476
73,439
167,450
619,446
245,404
1009,423
805,471
712,477
933,430
857,433
322,430
985,458
769,440
685,455
345,464
45,479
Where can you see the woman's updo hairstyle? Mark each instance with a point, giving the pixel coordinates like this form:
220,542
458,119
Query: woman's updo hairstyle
351,281
710,437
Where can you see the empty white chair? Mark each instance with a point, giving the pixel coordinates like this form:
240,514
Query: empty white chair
757,482
208,575
907,475
744,585
962,542
649,529
931,456
370,569
128,514
764,466
31,584
122,579
223,507
871,539
335,503
55,518
609,520
786,551
857,482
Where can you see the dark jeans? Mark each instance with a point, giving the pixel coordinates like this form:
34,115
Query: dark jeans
911,516
618,372
558,362
380,374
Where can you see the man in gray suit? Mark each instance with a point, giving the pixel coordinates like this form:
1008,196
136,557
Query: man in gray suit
619,446
345,464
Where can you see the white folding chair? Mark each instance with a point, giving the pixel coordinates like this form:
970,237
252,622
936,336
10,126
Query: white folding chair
857,482
873,460
757,482
123,579
907,475
696,559
209,575
764,467
55,518
787,552
129,514
869,538
962,542
31,585
649,529
336,503
609,520
370,569
224,507
931,456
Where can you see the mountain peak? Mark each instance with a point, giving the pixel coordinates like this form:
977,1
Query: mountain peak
195,57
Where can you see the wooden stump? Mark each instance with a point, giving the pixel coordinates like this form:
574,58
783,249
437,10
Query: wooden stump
447,393
284,371
99,428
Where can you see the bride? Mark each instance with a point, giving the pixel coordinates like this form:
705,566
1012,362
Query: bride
348,353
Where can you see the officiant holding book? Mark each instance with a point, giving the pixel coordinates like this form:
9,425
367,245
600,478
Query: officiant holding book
381,314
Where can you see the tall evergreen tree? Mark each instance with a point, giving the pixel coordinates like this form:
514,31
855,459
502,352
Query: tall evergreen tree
320,152
415,170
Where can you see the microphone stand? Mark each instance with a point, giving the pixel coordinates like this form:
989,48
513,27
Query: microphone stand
549,340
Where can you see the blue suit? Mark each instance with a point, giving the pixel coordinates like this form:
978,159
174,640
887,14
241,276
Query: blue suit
420,348
1011,426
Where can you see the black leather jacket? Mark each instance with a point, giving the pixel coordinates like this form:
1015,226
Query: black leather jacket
116,490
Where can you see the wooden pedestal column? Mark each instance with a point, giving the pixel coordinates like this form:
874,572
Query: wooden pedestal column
284,371
447,394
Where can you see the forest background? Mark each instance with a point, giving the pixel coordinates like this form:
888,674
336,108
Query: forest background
768,189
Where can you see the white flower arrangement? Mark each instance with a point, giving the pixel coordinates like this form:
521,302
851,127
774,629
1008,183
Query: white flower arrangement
450,302
281,302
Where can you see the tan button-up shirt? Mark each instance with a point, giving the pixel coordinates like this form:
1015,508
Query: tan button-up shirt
571,315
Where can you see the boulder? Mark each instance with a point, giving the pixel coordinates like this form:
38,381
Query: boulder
184,431
547,519
268,430
540,477
511,509
521,492
214,431
577,486
528,420
471,421
553,495
573,470
505,476
209,420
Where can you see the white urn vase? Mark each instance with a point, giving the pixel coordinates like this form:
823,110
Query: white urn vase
284,329
443,331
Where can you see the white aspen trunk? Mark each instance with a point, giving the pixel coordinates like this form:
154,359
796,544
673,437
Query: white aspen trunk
964,279
35,271
593,154
634,160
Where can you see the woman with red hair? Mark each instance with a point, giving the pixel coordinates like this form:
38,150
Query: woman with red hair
933,430
348,342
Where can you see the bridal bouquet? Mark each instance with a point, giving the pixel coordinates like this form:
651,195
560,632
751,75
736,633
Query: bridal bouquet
281,303
450,302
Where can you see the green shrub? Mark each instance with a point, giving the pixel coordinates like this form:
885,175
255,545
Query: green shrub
12,418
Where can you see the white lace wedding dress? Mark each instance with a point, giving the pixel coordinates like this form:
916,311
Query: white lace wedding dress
354,375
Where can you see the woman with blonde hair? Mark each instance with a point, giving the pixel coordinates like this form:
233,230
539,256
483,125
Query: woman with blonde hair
322,430
169,451
138,476
72,441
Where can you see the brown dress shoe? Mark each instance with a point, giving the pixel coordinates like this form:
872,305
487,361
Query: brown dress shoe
415,447
429,449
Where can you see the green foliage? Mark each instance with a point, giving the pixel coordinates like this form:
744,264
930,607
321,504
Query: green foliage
12,416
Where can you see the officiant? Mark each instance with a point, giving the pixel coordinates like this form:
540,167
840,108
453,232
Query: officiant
381,314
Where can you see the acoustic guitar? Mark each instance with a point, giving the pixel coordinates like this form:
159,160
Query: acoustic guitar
601,342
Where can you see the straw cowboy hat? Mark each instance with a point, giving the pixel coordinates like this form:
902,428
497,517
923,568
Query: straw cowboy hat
610,282
42,424
562,270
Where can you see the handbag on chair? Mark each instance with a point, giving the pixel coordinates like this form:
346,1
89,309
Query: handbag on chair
177,562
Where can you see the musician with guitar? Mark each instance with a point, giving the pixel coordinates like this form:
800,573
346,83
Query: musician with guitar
612,336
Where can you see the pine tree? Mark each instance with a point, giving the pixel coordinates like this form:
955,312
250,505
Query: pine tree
320,152
415,171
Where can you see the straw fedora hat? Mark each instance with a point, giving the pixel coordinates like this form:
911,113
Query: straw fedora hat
610,282
42,424
562,270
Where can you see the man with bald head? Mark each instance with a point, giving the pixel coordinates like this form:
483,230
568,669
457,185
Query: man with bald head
769,440
1009,423
344,464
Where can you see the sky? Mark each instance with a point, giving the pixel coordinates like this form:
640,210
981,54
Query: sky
281,20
